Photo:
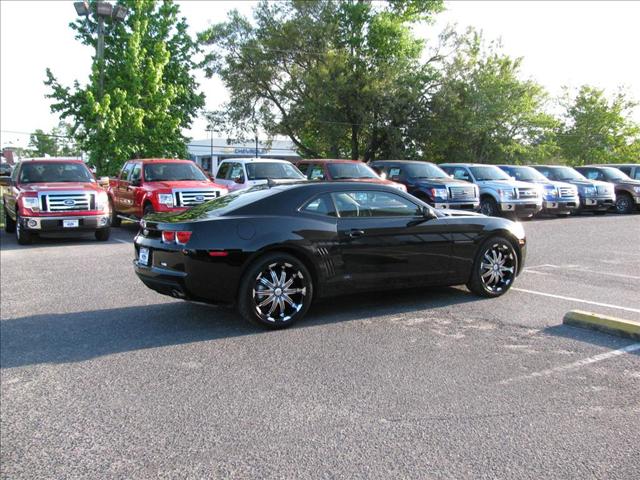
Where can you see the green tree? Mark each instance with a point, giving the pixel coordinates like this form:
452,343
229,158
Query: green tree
484,112
58,142
597,129
339,78
150,93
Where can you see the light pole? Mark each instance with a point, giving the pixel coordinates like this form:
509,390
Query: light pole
103,10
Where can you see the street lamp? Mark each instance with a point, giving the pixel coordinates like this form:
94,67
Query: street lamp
102,10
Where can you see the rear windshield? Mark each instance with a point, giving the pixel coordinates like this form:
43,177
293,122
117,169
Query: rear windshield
345,171
273,170
161,172
50,172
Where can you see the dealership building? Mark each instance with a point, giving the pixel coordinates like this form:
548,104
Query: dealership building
210,152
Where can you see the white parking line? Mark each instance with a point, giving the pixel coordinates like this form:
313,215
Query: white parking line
577,268
579,300
578,364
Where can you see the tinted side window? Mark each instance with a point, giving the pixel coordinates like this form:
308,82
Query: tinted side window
591,173
546,172
303,167
394,172
223,170
315,172
322,205
135,173
637,174
374,204
126,170
626,170
461,174
236,172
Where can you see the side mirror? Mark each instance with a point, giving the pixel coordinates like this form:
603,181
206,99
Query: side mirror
451,176
136,183
382,175
238,180
395,178
103,181
428,213
5,182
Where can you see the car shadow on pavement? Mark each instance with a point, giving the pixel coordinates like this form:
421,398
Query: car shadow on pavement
590,336
8,240
79,336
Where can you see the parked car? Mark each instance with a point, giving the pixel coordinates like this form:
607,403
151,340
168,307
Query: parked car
273,249
5,170
242,173
342,170
632,170
430,183
595,196
500,194
558,198
627,190
54,195
159,185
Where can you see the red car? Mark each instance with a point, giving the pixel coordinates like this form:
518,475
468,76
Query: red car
159,185
342,170
46,195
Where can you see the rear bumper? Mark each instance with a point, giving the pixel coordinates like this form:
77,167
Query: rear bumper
596,203
57,224
472,205
166,282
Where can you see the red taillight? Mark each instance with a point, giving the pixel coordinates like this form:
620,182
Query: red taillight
218,253
182,237
168,237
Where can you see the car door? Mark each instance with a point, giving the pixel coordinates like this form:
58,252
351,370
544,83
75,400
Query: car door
11,193
122,199
236,178
385,239
132,192
221,177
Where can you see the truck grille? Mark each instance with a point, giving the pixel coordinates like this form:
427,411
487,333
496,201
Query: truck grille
67,202
527,193
462,193
566,192
188,198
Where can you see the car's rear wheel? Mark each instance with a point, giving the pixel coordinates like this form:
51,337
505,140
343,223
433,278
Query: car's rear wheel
9,223
148,210
624,203
494,268
489,207
276,291
23,237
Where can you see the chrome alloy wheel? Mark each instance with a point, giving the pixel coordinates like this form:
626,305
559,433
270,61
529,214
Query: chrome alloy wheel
498,268
279,292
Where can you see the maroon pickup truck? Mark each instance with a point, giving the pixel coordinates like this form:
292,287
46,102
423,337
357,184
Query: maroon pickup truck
159,185
54,195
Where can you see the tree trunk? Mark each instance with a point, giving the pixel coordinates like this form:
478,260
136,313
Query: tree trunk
355,152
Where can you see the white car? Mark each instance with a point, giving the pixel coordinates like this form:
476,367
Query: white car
240,173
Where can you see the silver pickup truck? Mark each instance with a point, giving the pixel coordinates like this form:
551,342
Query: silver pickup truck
500,194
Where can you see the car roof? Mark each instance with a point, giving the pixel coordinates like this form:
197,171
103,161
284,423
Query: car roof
462,164
159,160
403,161
255,159
52,159
329,160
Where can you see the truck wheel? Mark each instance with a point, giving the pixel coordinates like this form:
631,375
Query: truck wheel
624,203
115,219
102,235
9,223
22,236
148,210
489,207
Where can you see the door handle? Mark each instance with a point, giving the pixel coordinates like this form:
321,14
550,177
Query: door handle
356,233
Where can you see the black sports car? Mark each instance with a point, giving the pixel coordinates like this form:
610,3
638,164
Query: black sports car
273,249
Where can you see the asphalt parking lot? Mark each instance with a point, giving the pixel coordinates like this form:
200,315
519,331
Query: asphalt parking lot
104,378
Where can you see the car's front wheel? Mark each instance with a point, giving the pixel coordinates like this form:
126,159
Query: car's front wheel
103,234
23,237
489,207
624,203
9,223
276,291
494,268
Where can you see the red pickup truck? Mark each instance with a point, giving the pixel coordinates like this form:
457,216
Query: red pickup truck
159,185
53,195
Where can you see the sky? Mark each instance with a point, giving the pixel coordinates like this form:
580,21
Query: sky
563,43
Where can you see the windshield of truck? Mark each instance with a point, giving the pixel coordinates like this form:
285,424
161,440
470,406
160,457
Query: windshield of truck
172,172
54,171
488,172
424,170
611,173
567,173
525,174
346,171
273,170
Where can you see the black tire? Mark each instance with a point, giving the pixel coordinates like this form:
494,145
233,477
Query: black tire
116,221
484,272
22,236
624,204
255,285
489,207
102,235
148,210
9,223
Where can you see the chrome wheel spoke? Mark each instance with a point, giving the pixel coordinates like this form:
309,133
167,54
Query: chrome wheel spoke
266,301
275,290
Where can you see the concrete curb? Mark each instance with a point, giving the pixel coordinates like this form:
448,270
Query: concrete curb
603,323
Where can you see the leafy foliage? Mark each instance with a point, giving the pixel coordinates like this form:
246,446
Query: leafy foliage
150,93
57,143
